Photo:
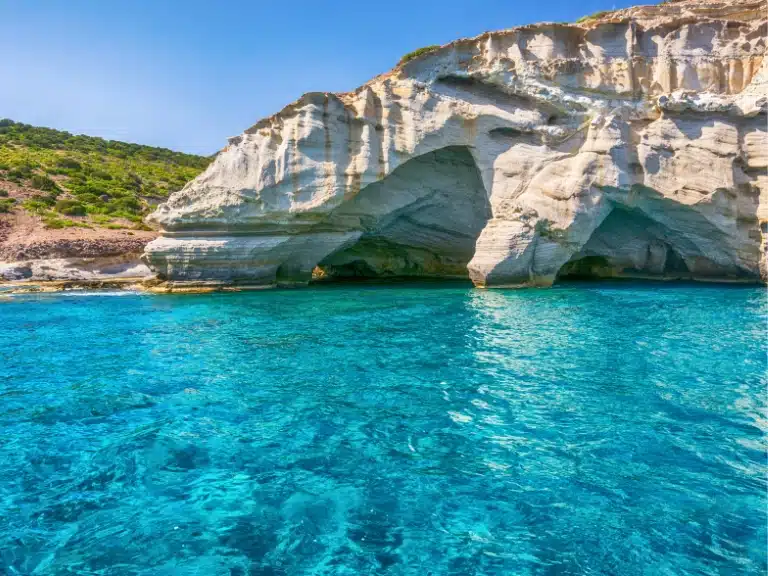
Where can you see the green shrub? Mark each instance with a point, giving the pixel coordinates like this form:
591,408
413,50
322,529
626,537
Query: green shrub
19,173
418,52
129,205
69,163
89,198
120,193
43,183
35,206
100,175
46,199
6,205
53,222
4,193
70,208
86,187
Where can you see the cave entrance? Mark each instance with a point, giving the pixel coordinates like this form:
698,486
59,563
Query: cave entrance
628,244
421,221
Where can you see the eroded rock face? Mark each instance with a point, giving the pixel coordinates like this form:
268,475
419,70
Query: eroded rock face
630,145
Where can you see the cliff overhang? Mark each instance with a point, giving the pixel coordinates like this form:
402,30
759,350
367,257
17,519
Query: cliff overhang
629,145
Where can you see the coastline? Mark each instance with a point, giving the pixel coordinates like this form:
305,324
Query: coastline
152,285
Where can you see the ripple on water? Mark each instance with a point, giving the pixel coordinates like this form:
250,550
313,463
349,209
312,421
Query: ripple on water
603,429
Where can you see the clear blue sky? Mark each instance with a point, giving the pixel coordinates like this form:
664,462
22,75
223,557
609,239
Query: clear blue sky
186,74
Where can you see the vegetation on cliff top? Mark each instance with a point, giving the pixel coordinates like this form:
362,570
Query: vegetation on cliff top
418,52
100,182
595,16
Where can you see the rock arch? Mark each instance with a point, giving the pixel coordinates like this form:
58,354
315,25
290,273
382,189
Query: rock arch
422,220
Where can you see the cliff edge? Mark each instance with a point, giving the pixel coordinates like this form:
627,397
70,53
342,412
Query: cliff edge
631,144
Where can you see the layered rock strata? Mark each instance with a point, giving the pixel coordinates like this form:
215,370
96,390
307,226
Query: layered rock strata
633,144
29,252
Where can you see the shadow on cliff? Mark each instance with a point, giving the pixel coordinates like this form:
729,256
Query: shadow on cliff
648,235
421,221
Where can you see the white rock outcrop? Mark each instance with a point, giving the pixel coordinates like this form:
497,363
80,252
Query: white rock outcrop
631,144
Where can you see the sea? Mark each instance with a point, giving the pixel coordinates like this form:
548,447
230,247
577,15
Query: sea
400,429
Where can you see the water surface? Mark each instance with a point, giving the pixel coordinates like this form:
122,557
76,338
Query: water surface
588,429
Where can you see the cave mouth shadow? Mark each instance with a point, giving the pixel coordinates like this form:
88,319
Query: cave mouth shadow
629,245
421,221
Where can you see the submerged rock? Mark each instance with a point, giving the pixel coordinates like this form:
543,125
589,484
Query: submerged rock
630,144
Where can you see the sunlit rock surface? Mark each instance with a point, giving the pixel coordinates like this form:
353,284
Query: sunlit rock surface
633,144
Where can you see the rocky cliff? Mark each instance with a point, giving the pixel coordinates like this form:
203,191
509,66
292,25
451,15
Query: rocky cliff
629,144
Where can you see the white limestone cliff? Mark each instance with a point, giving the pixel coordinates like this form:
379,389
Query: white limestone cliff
632,144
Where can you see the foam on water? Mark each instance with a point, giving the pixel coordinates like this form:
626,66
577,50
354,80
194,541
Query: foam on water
596,429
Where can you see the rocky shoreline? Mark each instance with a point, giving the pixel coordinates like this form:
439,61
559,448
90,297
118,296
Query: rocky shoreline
30,252
72,248
152,285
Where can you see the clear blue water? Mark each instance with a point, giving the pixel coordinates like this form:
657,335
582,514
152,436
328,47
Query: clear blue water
588,429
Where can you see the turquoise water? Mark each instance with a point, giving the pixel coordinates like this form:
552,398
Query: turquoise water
588,429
